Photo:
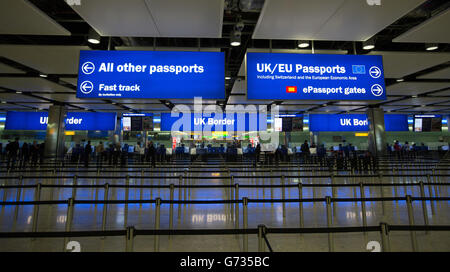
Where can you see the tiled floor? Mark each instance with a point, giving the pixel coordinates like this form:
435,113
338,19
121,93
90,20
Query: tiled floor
200,216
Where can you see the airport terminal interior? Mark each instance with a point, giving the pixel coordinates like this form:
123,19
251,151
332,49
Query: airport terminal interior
224,125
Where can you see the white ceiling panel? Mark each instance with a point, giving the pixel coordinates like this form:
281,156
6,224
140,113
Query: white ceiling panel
442,93
12,97
439,74
390,108
294,108
98,106
418,101
45,58
67,98
70,80
355,20
31,84
400,64
129,18
144,107
415,88
242,99
422,109
11,107
349,20
6,69
193,18
433,30
154,18
20,17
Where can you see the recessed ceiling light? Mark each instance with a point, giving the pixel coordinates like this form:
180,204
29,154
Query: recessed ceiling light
3,102
431,46
369,44
227,78
93,37
400,80
18,92
42,75
414,96
303,44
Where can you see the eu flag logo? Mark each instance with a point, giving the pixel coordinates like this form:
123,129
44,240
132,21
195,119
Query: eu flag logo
359,69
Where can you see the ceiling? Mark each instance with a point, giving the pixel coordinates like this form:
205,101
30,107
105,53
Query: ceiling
40,41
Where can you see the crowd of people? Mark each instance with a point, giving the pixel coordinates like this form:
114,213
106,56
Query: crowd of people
406,151
22,156
115,154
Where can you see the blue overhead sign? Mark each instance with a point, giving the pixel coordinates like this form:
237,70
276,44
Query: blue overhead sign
281,76
355,122
338,122
74,120
396,122
213,122
151,74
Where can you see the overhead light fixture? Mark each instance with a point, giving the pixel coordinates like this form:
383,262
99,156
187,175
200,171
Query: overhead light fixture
302,44
43,75
93,36
400,80
414,96
369,44
227,78
18,92
3,102
235,39
431,46
113,103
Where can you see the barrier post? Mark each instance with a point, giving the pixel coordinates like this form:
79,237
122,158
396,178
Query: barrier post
271,183
430,192
18,195
394,170
383,205
180,180
141,191
283,196
172,188
129,243
232,197
69,219
300,204
127,191
329,224
261,232
185,183
411,222
74,188
37,197
236,206
157,218
424,203
245,222
333,192
105,206
363,204
385,243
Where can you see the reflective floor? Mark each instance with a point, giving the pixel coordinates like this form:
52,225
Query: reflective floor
88,217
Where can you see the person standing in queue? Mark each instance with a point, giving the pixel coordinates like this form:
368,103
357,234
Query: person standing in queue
305,151
25,155
152,153
12,149
34,151
257,153
87,153
99,150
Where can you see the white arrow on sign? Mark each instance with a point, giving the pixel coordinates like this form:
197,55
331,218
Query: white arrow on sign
86,87
375,72
376,90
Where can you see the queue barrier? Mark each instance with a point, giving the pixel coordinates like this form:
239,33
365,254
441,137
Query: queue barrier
262,231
